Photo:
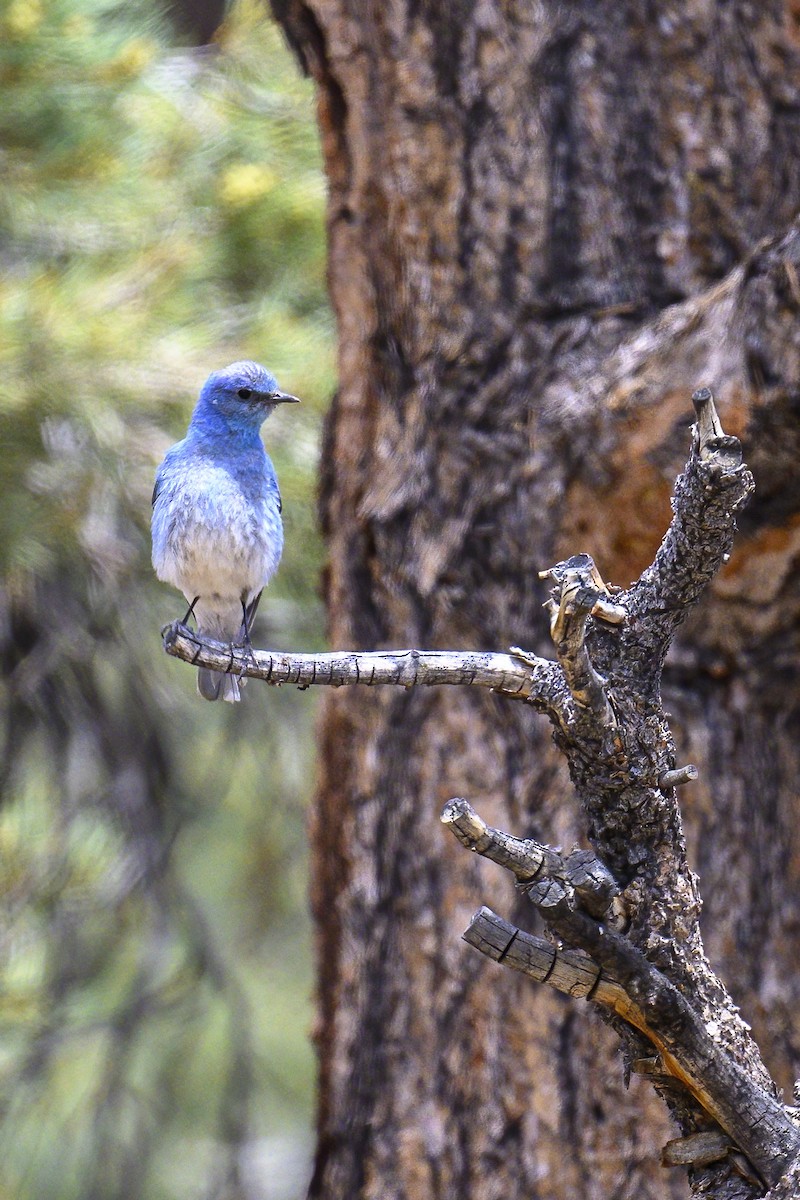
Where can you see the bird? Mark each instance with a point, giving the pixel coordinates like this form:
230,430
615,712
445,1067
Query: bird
216,527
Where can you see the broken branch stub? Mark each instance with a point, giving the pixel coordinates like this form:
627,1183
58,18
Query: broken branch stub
576,595
524,857
580,873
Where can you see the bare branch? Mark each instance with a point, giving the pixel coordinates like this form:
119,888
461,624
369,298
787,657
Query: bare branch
568,971
606,967
581,871
536,679
595,886
710,1146
708,429
696,1150
603,698
678,777
524,857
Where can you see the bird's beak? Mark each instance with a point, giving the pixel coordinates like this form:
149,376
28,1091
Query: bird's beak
283,398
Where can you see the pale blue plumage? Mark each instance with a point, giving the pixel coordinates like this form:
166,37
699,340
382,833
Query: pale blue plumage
217,530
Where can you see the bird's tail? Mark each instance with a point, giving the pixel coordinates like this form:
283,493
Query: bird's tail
214,685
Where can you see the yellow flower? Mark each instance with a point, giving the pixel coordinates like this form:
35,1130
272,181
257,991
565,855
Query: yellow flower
244,183
23,18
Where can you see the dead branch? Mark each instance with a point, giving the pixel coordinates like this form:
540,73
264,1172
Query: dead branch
581,871
654,978
629,986
533,679
525,857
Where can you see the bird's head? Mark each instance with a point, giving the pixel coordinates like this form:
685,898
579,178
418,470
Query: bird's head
245,393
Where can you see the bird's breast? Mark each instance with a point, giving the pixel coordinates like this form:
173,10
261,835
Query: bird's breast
214,532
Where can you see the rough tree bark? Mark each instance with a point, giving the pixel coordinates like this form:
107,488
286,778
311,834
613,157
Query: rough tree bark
547,226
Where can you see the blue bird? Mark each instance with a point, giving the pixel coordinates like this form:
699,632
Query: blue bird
217,530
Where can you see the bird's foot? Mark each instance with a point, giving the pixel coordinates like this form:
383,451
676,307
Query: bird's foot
182,625
175,629
245,643
249,658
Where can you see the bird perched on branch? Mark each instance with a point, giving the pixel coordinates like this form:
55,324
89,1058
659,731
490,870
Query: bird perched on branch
217,530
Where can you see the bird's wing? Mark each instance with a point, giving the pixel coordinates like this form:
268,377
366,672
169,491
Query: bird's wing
160,473
172,456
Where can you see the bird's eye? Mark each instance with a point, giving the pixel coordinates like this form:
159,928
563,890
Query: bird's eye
244,393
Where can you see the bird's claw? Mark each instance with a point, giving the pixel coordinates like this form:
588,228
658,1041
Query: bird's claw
249,659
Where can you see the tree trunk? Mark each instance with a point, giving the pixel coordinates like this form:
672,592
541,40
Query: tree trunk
517,193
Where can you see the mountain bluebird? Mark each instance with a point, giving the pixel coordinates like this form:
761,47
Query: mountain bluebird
217,531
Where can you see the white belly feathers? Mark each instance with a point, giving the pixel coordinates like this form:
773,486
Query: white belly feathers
209,540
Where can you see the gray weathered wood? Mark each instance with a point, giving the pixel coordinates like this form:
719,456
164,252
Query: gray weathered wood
536,680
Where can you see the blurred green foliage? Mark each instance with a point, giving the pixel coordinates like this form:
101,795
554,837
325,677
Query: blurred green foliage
161,214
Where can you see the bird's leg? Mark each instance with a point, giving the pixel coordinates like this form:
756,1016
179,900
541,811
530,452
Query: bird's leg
245,626
190,611
245,631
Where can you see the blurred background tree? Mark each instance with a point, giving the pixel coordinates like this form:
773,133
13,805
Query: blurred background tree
160,215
